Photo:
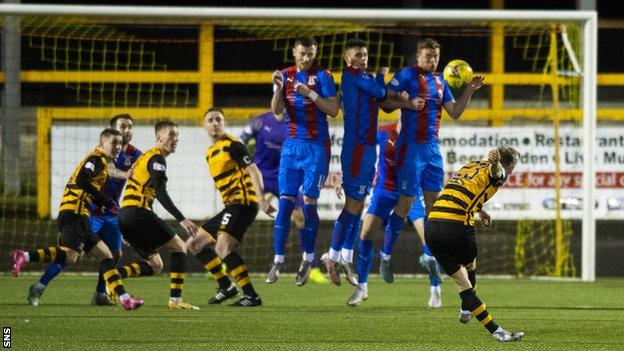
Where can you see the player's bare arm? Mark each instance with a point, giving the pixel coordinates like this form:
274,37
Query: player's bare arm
401,101
277,102
256,180
486,219
117,173
496,169
456,108
329,105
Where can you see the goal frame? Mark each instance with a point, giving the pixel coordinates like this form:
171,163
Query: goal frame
587,20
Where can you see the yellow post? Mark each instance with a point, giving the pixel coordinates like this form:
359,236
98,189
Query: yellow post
554,86
43,163
497,65
206,70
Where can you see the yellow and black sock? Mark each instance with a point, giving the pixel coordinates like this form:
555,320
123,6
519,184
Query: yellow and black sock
136,269
472,303
213,264
238,271
55,254
112,277
178,273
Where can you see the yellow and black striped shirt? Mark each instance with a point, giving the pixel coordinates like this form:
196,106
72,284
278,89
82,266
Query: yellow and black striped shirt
465,193
75,198
227,160
139,191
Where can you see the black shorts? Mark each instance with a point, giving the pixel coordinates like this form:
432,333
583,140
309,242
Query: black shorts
452,243
76,232
144,230
234,220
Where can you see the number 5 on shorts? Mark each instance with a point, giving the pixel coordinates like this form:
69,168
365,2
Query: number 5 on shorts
226,218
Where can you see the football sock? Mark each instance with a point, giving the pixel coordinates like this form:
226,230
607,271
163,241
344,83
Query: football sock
213,264
136,269
427,250
342,228
112,277
471,302
177,274
101,284
391,234
312,221
282,226
54,254
238,271
365,260
52,270
350,239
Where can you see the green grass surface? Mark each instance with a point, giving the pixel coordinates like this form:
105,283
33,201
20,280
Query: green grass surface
555,315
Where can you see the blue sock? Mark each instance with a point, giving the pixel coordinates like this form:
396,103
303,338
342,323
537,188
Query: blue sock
312,221
427,251
352,237
365,260
282,226
342,229
433,281
393,229
52,270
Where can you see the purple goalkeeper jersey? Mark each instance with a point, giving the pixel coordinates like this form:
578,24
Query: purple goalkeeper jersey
269,135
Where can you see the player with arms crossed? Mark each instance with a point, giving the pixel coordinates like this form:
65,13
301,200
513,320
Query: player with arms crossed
450,232
240,183
142,228
419,160
305,94
81,194
103,224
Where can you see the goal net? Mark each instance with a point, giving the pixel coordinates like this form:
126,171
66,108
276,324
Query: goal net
79,66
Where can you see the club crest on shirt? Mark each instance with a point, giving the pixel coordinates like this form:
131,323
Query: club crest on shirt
128,161
311,80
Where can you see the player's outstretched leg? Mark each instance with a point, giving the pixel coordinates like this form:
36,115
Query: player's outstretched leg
36,290
471,302
238,271
113,280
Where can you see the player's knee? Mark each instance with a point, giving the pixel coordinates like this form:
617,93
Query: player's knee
353,206
71,257
176,244
156,263
225,244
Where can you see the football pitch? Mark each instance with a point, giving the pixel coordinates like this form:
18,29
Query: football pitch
555,315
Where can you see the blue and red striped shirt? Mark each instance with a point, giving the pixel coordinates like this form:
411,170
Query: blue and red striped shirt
303,119
419,127
114,186
360,92
386,165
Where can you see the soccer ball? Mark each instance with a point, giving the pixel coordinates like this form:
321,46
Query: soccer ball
457,73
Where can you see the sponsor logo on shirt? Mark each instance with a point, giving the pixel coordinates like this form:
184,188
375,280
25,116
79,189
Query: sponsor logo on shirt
159,167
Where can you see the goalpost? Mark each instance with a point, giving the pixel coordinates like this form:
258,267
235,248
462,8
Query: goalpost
106,58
